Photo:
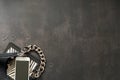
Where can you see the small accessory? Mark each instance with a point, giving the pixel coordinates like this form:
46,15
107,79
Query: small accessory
37,60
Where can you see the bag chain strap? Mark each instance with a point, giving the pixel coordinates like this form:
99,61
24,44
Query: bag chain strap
37,73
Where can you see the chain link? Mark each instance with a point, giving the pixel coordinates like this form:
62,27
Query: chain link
41,68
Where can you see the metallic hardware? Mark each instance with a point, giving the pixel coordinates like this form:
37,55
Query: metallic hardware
36,69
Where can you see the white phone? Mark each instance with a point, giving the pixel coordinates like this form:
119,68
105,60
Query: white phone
22,68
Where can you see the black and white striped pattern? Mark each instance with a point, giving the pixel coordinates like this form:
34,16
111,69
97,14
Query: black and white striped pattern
11,66
11,50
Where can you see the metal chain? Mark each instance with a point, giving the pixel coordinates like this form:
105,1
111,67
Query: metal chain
40,70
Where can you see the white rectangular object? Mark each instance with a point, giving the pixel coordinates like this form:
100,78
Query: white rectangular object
22,68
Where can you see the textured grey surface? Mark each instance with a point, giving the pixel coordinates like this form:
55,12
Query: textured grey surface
80,38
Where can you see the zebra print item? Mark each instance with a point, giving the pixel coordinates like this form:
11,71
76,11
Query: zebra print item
33,65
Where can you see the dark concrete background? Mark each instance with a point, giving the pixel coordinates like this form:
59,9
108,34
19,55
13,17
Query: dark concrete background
80,38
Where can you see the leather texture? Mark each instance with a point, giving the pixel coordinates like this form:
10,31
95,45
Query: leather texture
3,67
6,58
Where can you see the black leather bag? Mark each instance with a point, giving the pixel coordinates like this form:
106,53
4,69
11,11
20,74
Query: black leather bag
4,59
7,57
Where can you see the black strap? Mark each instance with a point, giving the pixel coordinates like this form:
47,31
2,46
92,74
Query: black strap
3,67
6,55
